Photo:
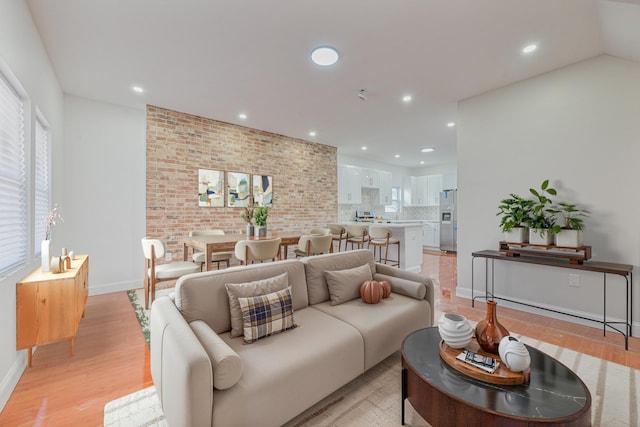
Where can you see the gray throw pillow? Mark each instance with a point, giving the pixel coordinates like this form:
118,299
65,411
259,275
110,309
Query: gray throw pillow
251,289
344,285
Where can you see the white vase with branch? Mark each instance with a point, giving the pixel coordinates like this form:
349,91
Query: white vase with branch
45,246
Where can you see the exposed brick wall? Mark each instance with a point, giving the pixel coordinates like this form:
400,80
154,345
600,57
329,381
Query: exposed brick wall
305,183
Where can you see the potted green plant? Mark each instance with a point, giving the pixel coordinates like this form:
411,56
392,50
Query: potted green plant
247,217
569,233
542,220
260,214
514,212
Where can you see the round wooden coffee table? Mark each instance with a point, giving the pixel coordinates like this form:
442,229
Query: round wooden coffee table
555,396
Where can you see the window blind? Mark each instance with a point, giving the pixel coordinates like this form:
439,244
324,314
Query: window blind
13,180
42,204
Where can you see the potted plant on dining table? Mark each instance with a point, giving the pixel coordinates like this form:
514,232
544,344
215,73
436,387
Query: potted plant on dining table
260,214
247,216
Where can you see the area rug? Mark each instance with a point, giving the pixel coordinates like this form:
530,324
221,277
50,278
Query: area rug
373,399
136,296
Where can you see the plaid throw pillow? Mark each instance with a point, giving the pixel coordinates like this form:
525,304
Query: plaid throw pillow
265,315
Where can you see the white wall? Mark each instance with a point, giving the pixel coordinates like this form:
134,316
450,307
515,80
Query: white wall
579,127
23,52
104,191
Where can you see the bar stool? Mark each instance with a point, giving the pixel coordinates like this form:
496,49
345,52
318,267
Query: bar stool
339,234
380,237
356,235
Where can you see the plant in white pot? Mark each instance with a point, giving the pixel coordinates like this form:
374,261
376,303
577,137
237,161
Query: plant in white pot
570,234
514,213
542,220
260,214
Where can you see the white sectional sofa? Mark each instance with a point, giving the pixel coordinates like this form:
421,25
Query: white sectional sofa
205,377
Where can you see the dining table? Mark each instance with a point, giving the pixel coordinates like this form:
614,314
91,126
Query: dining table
227,243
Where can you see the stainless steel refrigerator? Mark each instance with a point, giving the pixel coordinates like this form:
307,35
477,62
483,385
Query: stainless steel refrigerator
448,221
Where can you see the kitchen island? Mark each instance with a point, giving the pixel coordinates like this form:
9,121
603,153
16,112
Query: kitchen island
410,236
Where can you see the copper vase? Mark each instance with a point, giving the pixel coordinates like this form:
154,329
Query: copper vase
489,332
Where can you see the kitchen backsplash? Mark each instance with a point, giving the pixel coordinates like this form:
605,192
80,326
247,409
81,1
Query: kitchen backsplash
370,203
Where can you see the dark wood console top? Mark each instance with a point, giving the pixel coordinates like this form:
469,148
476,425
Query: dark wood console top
598,266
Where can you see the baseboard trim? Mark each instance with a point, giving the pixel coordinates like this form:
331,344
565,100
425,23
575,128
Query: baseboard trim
114,287
10,381
635,327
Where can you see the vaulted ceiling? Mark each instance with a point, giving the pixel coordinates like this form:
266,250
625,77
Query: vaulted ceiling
218,59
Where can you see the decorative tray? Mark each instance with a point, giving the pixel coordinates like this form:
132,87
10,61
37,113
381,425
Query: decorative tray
502,375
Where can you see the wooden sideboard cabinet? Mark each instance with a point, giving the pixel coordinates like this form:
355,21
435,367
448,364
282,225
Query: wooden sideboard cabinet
49,306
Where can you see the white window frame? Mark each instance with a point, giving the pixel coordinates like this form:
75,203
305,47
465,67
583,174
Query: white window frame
14,196
41,178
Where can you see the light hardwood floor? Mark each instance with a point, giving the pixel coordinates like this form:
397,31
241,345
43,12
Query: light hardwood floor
112,360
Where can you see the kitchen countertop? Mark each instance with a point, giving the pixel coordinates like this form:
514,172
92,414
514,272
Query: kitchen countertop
402,224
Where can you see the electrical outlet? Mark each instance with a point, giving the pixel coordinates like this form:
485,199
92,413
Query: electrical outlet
574,280
168,257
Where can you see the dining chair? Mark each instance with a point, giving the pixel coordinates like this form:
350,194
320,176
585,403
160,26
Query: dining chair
250,251
314,245
339,234
379,238
153,250
356,235
319,231
217,257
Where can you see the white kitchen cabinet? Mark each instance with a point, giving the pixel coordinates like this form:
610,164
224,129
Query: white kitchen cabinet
419,188
434,187
412,249
385,188
431,235
349,185
370,178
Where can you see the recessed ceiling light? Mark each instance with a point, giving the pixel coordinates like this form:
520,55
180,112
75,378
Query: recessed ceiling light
529,49
363,147
397,155
324,55
137,89
406,98
312,133
451,124
422,162
427,150
242,116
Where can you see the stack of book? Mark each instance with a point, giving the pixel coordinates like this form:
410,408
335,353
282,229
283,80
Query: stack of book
486,363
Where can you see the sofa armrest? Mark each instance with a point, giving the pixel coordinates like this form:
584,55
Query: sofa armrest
180,367
225,362
385,270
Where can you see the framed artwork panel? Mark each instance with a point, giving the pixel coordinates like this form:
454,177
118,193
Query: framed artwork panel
238,190
210,188
263,190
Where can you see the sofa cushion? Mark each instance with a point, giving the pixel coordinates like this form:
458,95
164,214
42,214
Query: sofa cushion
384,325
203,296
265,315
402,286
251,289
286,373
344,285
226,364
315,267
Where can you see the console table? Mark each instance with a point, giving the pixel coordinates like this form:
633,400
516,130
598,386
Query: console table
49,306
623,270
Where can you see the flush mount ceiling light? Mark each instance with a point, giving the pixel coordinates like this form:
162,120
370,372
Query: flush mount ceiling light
312,133
363,147
137,89
427,150
242,116
530,48
324,55
451,124
406,98
397,155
